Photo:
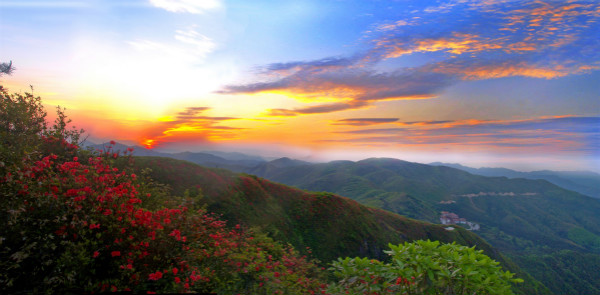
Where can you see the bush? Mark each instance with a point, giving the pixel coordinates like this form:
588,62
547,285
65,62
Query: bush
423,267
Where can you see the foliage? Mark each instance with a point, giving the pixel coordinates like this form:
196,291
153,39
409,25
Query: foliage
567,272
25,134
585,238
6,68
22,121
423,267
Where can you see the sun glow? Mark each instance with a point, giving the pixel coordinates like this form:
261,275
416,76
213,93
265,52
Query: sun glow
148,143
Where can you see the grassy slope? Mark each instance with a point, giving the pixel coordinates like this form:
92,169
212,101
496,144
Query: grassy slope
411,189
332,226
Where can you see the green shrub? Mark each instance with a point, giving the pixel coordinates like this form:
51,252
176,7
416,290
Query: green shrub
423,267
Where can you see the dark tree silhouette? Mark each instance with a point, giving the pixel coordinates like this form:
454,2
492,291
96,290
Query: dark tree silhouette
6,68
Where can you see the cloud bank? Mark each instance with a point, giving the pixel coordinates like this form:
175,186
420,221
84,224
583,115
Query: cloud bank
465,40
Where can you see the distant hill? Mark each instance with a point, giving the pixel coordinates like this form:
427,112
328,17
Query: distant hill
331,225
235,156
214,159
583,182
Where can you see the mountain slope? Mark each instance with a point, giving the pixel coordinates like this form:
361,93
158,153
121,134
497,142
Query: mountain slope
332,226
534,211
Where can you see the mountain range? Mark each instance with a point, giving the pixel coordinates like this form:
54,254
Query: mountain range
549,231
320,224
583,182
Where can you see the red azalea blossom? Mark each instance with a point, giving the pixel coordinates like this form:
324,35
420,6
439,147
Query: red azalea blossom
115,253
155,276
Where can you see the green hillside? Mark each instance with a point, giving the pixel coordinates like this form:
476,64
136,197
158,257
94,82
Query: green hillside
330,225
517,216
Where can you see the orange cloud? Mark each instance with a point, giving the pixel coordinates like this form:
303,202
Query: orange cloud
363,121
459,43
470,71
527,32
190,125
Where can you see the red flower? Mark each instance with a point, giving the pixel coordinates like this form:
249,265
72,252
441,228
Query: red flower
115,253
112,142
155,276
175,270
93,226
96,253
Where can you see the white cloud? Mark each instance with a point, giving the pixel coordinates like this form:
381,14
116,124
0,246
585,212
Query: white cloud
201,45
193,47
189,6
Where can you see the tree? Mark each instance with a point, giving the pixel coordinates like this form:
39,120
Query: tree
22,121
6,68
24,131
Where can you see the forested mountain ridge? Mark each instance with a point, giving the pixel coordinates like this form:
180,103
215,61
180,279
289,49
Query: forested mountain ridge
520,217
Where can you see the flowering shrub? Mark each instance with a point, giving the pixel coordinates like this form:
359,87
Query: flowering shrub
423,267
82,226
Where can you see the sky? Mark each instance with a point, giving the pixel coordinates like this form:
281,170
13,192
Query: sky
496,83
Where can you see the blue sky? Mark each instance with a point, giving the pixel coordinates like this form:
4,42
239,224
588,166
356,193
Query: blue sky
486,83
